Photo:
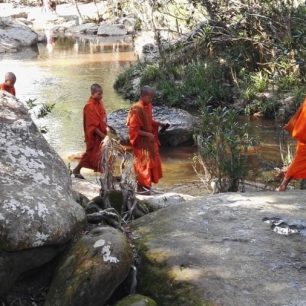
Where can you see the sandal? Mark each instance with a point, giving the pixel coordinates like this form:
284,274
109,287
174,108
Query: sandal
143,190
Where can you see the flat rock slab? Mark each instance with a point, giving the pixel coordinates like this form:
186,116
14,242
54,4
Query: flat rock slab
158,201
87,189
218,250
112,30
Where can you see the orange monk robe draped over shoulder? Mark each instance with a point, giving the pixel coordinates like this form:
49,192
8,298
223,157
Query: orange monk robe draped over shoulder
94,116
297,128
147,161
8,88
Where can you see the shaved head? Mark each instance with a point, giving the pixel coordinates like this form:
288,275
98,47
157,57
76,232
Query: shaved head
147,91
10,76
95,87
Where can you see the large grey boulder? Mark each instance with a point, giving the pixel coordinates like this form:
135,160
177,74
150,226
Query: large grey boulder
92,269
36,203
85,188
112,30
128,22
181,130
86,28
52,21
218,250
15,35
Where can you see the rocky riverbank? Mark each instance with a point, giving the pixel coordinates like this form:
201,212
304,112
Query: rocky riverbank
230,249
225,249
44,229
86,19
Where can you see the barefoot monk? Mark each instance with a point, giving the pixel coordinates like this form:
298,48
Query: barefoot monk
143,133
94,123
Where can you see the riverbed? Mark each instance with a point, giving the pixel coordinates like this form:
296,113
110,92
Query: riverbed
62,71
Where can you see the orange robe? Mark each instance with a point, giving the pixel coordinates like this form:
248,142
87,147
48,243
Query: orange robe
94,116
147,163
297,128
8,88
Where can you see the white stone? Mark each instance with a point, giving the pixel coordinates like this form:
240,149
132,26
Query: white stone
99,243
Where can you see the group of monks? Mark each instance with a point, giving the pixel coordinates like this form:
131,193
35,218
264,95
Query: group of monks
143,133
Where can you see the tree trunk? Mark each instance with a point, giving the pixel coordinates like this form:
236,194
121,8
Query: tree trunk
77,8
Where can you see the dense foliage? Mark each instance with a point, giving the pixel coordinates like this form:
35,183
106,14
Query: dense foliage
251,52
246,55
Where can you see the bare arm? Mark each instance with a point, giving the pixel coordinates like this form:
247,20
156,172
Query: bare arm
99,133
146,134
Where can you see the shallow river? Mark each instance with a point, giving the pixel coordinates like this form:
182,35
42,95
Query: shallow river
62,72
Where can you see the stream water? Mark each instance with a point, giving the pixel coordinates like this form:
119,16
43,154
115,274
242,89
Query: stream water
62,71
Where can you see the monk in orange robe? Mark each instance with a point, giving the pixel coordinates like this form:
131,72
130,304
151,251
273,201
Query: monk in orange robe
9,82
143,133
95,129
297,128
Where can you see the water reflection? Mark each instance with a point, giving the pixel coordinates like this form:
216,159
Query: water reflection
64,77
84,44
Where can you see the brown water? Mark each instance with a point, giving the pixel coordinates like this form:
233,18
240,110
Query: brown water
62,73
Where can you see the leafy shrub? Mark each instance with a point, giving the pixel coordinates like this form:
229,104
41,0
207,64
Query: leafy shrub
39,110
253,83
123,79
150,74
223,143
268,108
287,82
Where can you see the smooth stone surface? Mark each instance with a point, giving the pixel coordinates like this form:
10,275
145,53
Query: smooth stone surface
36,205
217,249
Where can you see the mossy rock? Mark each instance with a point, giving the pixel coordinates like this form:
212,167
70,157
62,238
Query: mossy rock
145,206
115,198
94,266
157,280
136,300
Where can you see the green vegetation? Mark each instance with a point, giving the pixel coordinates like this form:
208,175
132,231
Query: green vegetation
245,51
247,57
39,111
196,84
223,143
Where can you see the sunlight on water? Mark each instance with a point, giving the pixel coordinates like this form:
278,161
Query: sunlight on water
62,74
64,78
